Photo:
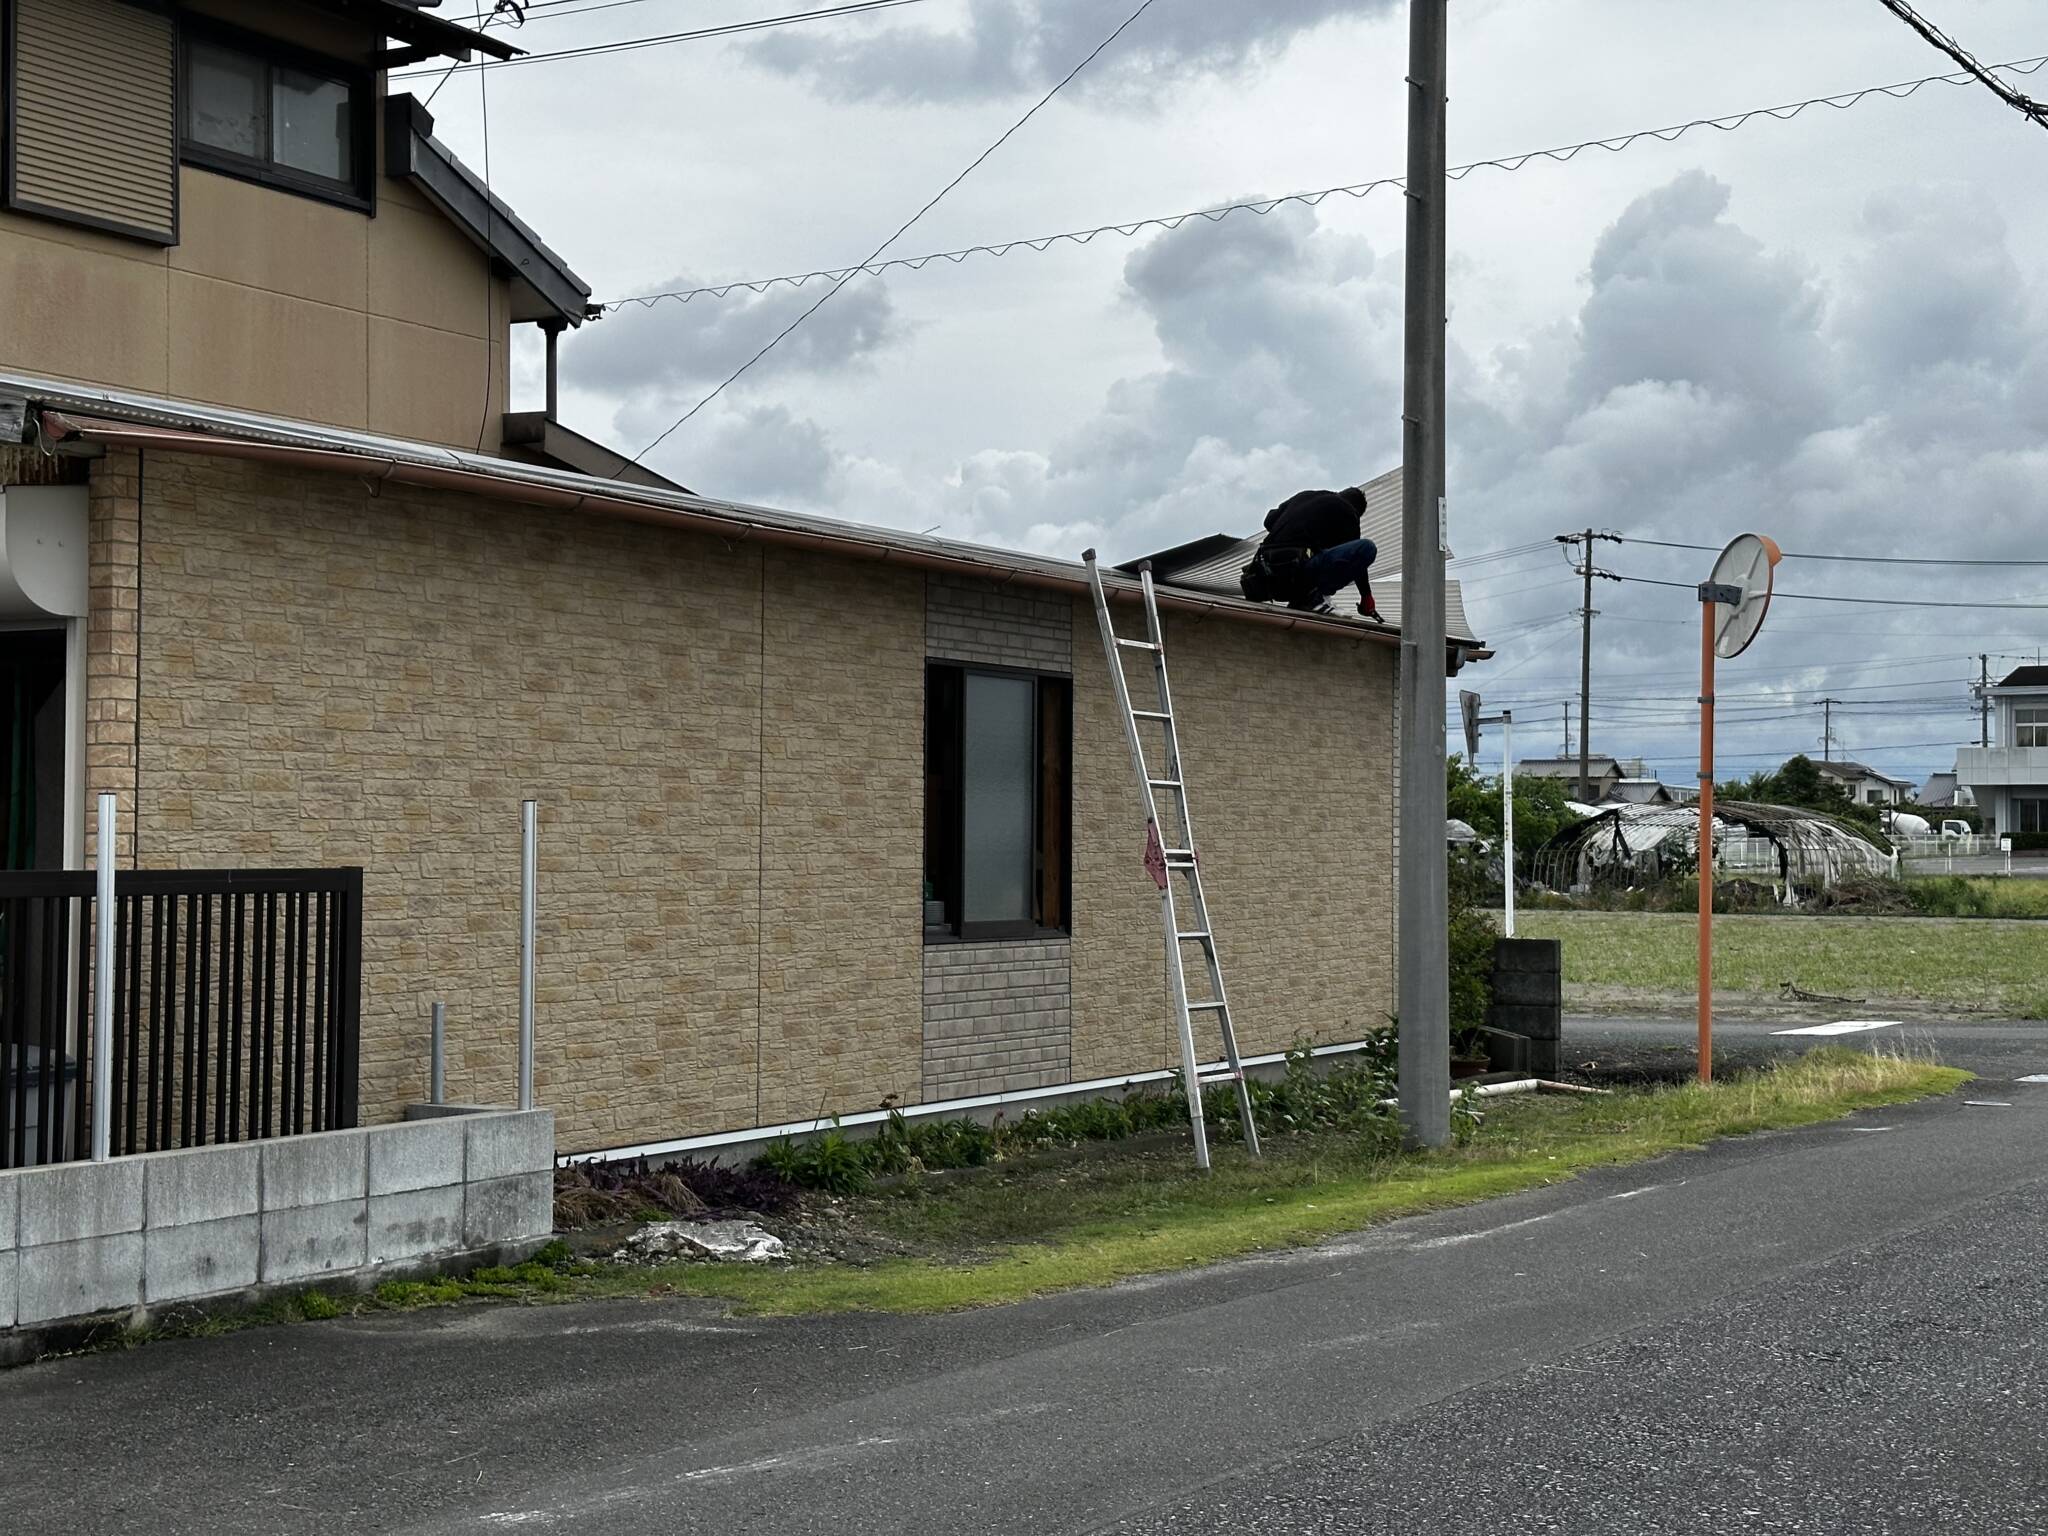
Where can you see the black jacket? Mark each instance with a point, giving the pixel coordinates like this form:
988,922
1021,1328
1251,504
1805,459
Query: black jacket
1311,520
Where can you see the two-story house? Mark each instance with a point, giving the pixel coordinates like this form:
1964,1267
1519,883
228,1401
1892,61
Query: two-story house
2009,781
829,814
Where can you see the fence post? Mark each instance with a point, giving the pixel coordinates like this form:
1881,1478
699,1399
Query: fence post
103,989
437,1058
527,861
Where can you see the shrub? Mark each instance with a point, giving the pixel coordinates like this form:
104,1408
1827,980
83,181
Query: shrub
318,1306
1472,937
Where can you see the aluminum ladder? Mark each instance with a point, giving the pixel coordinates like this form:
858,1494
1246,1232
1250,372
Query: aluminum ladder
1163,862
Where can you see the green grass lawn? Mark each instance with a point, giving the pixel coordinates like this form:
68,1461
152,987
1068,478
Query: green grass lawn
1112,1211
1627,958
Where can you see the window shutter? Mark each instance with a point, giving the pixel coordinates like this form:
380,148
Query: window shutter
93,130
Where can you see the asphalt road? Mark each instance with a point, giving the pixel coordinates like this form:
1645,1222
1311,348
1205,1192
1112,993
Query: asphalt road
1831,1330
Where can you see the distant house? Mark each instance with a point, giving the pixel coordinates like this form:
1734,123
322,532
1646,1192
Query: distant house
1603,774
1939,792
2010,780
1866,785
1641,791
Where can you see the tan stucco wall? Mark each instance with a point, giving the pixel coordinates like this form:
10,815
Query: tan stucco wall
272,302
1287,742
727,743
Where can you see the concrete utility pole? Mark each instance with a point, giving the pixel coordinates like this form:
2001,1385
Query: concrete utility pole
1425,1001
1827,729
1584,543
1984,696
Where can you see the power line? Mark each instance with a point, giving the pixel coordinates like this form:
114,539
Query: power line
2026,106
972,165
1261,206
632,44
1849,559
1822,597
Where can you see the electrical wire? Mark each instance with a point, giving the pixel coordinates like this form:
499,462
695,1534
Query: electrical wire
1848,559
633,44
2025,105
1873,602
936,198
1261,206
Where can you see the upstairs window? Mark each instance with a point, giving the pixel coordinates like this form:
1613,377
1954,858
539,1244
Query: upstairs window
2030,725
998,754
269,115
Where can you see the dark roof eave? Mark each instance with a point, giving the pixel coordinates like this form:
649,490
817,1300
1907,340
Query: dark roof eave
412,153
409,24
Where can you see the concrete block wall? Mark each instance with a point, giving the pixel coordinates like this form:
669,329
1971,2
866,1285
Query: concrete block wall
84,1238
997,1017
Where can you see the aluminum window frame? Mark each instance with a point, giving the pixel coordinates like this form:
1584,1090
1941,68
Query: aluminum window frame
955,929
358,193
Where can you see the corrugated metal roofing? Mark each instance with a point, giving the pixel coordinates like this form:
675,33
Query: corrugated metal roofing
1215,568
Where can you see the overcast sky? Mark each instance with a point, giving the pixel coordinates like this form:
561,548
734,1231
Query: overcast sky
1832,329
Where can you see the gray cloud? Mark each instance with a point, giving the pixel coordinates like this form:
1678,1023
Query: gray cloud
671,349
1016,45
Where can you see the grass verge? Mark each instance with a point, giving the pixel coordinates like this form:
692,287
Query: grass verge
1013,1231
1959,962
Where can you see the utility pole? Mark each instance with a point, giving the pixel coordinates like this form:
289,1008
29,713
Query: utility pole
1984,695
1425,1001
1567,727
1584,544
1827,729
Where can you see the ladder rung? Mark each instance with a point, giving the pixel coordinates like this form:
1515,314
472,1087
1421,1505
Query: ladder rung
1219,1075
1190,938
1208,1007
1179,855
1164,783
1138,645
1150,714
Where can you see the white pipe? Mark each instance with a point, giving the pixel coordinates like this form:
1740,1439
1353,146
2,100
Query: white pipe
103,990
1507,812
528,861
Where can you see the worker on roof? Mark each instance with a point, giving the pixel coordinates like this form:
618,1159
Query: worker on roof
1312,551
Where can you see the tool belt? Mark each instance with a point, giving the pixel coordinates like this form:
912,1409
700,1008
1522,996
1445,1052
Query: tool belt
1276,575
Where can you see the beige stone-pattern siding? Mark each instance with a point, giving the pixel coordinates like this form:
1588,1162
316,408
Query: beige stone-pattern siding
112,644
726,742
843,849
329,677
1285,740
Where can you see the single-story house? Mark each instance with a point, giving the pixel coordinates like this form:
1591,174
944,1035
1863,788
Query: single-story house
831,816
1603,774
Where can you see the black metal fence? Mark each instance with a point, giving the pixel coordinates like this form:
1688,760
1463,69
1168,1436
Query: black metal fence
236,1008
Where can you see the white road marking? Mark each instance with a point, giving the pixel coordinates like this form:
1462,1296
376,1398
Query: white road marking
1472,1237
1630,1194
803,1459
1988,1103
2034,1077
1840,1027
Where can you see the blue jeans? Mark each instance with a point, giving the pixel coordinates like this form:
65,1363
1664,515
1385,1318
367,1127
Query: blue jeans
1340,565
